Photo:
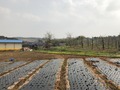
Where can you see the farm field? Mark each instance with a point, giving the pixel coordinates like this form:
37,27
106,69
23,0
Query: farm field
88,73
81,78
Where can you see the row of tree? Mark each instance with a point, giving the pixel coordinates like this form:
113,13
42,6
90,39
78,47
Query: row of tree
94,43
3,37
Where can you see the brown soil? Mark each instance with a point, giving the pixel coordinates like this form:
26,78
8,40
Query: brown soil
64,83
57,82
5,56
20,55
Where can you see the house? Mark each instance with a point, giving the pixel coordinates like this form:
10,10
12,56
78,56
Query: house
7,44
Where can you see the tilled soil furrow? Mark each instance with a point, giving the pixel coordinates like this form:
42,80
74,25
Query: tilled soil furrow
63,83
57,82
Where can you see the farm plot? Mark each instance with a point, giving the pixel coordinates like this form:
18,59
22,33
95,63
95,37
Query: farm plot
11,66
81,78
111,72
45,79
14,76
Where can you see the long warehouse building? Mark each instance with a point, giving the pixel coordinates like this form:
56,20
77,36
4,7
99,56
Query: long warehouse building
7,44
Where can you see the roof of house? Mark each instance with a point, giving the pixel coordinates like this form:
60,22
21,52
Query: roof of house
10,41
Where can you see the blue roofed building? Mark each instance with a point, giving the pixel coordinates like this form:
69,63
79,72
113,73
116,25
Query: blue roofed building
7,44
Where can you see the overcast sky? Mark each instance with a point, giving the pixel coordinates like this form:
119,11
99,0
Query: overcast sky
33,18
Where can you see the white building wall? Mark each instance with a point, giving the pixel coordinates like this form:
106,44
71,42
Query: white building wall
2,46
10,46
18,46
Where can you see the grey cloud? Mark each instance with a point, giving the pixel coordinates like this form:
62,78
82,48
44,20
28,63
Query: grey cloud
80,17
114,5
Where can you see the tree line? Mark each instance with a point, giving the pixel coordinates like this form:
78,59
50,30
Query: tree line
93,43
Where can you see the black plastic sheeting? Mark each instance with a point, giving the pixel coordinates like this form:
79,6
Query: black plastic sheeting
112,72
14,76
10,66
45,79
80,77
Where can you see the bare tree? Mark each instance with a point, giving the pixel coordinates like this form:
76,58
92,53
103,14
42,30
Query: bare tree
48,40
69,39
88,42
118,42
103,43
108,42
92,43
81,39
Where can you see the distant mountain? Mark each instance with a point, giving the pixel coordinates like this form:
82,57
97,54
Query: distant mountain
4,37
29,39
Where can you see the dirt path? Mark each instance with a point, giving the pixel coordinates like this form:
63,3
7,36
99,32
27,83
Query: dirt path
62,82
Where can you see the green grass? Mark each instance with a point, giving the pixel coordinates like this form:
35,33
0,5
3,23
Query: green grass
77,51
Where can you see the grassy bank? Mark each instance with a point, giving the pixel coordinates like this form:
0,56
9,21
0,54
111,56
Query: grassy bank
81,52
